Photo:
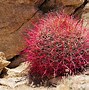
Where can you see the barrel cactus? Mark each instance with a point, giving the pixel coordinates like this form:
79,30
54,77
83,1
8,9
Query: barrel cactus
57,45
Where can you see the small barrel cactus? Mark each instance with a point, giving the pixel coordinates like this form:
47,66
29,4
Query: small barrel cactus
57,45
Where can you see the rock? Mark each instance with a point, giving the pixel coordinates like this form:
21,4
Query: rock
74,7
3,62
69,9
30,2
13,19
21,70
85,15
25,87
16,76
72,2
78,82
15,61
50,5
86,11
67,6
13,82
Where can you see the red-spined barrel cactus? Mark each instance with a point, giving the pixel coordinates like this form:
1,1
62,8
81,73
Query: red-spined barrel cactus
57,45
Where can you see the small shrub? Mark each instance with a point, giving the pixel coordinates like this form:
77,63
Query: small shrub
57,45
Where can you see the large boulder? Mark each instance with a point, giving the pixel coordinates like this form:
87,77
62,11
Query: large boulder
13,16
